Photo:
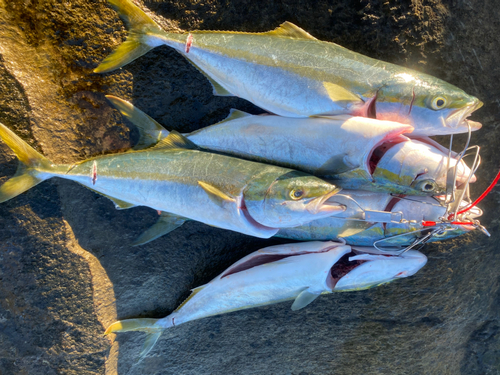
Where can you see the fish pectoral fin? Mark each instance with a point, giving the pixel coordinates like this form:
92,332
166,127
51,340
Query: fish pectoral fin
338,93
303,299
337,164
215,195
175,141
165,224
288,29
218,90
150,132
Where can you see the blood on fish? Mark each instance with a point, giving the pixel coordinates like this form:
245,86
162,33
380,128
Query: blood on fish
94,173
189,42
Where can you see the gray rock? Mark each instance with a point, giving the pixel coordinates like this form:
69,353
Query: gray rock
67,272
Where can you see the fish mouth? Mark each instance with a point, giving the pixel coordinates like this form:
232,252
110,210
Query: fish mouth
322,205
459,118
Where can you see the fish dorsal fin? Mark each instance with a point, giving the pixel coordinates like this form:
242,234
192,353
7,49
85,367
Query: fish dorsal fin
338,93
150,131
166,223
175,140
288,29
193,293
215,194
303,299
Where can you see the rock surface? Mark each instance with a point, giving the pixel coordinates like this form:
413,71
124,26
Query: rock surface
67,272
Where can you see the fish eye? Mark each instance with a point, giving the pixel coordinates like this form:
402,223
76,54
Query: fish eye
428,186
296,194
438,103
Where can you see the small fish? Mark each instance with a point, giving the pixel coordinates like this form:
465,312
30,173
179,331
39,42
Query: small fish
299,272
290,73
355,152
178,179
357,224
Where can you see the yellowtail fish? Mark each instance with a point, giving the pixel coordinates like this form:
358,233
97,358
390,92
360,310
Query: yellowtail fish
290,73
299,272
185,183
355,152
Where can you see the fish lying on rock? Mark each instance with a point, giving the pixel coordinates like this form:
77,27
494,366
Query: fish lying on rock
352,152
290,73
176,177
371,217
300,271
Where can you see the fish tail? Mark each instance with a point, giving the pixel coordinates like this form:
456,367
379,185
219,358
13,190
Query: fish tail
150,326
31,166
143,36
150,132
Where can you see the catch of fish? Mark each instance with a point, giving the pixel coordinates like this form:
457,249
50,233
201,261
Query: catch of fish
342,161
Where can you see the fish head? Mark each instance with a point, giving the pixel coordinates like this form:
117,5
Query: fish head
367,267
292,199
432,106
418,169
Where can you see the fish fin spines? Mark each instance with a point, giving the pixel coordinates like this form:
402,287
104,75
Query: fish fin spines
150,131
142,29
31,162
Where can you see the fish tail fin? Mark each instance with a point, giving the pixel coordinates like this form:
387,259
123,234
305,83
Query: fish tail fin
31,163
150,131
149,326
143,36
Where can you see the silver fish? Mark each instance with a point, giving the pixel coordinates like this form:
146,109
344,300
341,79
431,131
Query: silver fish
355,152
299,272
183,182
290,73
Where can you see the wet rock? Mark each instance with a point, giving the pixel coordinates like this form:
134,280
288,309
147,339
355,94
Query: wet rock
67,270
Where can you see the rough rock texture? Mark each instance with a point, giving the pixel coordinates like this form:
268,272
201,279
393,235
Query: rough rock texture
67,272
